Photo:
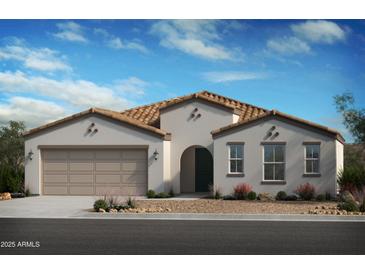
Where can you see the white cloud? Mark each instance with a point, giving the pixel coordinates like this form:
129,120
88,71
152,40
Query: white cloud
229,76
42,59
70,31
195,37
132,85
33,112
79,93
319,31
115,42
288,46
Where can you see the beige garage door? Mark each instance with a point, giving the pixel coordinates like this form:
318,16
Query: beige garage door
94,172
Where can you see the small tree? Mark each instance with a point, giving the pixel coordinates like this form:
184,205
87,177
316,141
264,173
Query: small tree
12,156
354,119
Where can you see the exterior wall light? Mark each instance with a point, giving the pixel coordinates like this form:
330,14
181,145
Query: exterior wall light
30,155
155,154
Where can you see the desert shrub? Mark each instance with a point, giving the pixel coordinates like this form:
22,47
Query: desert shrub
281,196
306,191
291,198
241,191
251,195
111,201
101,203
321,197
131,202
151,194
348,206
351,178
362,206
229,197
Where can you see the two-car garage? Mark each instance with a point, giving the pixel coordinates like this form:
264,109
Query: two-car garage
112,171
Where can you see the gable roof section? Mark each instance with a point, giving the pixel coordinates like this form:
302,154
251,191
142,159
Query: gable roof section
106,113
275,113
150,114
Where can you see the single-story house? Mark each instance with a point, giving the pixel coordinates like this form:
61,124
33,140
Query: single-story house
187,144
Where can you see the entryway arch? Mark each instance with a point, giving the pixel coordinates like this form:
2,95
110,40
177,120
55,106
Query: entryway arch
196,170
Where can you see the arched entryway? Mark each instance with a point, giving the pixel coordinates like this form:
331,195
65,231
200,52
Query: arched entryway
196,170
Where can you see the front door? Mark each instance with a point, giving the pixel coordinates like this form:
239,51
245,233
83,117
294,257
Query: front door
203,170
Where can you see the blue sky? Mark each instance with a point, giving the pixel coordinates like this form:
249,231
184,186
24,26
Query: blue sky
53,68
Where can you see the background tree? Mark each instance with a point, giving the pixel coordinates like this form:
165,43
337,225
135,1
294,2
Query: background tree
354,119
12,156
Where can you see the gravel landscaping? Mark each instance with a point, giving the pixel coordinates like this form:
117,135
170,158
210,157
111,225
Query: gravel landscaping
238,207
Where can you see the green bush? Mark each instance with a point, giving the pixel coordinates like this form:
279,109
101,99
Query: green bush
291,198
10,180
281,196
171,193
351,178
101,203
321,197
217,194
328,196
162,195
229,197
251,195
348,206
151,194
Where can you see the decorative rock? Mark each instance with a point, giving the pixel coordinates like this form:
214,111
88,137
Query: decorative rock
266,197
113,210
102,210
5,196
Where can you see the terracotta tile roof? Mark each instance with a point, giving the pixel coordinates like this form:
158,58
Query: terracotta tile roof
332,132
150,114
107,113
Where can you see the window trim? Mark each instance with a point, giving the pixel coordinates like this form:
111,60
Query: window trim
312,174
235,174
263,163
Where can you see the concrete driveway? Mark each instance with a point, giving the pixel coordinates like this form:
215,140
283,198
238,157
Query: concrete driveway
47,206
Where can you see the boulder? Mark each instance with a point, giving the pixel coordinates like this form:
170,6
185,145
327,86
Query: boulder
266,197
102,210
5,196
113,210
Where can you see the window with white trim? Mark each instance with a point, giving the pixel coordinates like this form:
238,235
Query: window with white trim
311,158
274,162
235,158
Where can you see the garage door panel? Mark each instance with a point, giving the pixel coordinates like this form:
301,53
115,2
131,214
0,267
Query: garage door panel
137,165
82,190
134,179
107,155
134,154
81,178
107,166
55,166
107,178
55,155
107,190
81,166
55,178
55,190
94,172
81,155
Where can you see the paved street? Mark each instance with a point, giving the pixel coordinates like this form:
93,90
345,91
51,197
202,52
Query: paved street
108,236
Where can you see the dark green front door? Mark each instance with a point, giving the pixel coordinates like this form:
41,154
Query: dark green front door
203,170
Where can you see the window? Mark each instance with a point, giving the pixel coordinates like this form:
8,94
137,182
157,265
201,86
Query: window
311,159
274,162
235,158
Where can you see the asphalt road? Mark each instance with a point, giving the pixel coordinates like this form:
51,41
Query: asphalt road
101,236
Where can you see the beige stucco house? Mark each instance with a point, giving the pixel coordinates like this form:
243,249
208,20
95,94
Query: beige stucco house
186,144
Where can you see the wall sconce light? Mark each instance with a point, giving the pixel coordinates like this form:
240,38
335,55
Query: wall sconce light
273,128
30,155
199,115
96,130
276,134
155,154
192,115
195,109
